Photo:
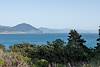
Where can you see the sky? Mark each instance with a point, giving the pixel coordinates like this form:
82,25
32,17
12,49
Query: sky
59,14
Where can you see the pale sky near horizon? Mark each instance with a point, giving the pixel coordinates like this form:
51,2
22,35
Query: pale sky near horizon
79,14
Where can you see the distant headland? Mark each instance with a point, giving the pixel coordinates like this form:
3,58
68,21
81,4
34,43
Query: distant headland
25,28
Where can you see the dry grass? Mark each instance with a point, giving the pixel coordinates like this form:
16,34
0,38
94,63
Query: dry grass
12,60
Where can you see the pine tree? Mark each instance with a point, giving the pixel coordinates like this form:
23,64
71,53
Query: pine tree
98,41
75,39
97,50
76,51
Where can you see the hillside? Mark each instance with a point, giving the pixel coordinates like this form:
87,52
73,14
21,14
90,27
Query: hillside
20,28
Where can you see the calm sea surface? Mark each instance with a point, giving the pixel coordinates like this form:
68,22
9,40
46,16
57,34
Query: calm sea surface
10,39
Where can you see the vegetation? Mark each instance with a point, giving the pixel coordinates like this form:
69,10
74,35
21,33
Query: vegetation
57,53
13,60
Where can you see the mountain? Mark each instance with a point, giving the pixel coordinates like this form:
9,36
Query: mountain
4,28
27,29
20,28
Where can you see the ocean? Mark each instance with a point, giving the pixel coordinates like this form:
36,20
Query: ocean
11,39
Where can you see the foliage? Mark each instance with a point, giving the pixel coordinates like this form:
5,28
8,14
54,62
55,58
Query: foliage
53,54
97,51
1,62
41,63
77,52
13,60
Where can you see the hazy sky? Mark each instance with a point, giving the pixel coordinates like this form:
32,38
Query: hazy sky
80,14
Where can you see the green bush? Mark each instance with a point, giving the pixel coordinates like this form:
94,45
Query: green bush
1,62
42,63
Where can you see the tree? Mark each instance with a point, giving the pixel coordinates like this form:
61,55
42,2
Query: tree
43,53
26,50
52,52
22,48
75,51
58,51
97,50
98,43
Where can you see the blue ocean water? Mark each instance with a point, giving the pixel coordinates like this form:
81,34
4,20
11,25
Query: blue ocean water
11,39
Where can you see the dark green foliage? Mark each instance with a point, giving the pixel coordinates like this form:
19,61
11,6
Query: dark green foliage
98,44
97,51
41,63
52,52
43,52
58,52
23,48
75,50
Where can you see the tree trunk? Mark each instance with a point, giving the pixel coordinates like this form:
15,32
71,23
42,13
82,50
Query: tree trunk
69,64
49,65
53,64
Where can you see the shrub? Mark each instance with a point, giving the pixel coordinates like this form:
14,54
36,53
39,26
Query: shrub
13,60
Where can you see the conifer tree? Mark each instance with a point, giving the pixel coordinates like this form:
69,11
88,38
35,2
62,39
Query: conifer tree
98,41
76,51
97,50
